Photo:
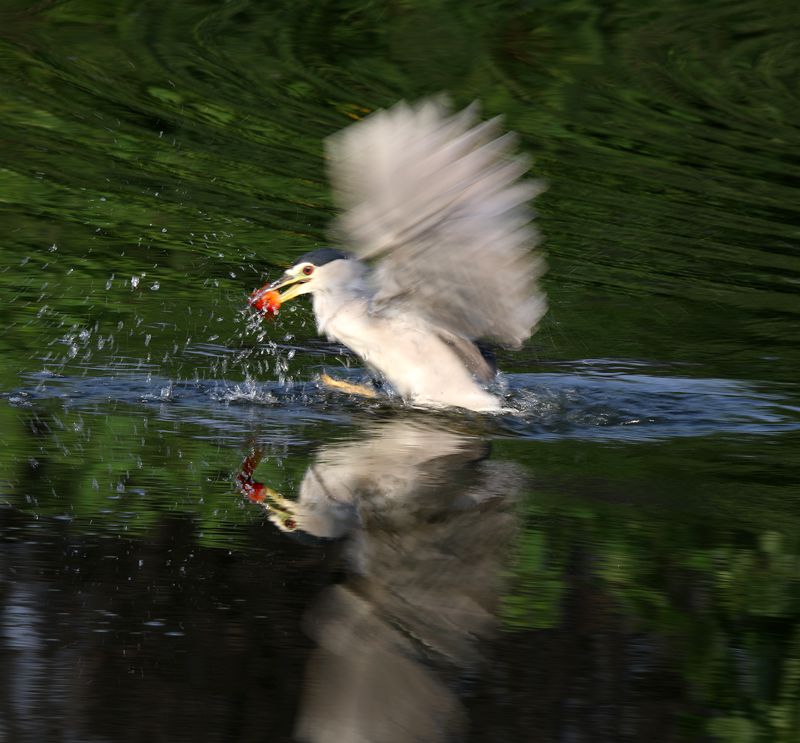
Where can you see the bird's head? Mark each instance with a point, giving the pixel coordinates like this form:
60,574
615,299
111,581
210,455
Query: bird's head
312,272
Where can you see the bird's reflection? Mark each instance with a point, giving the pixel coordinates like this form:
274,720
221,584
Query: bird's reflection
426,518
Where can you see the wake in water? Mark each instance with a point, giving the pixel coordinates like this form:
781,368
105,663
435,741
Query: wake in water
589,403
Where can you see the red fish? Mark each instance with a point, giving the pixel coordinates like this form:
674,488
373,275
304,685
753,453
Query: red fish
267,301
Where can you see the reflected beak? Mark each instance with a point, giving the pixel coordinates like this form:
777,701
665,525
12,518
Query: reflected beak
278,507
280,510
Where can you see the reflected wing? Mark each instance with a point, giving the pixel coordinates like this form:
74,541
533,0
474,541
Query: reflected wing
438,201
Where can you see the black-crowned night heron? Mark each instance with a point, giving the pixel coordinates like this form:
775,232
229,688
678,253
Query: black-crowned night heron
437,202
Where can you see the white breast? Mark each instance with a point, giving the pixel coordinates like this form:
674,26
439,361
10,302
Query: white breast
420,366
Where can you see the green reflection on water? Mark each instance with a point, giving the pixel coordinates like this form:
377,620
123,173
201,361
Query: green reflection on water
184,142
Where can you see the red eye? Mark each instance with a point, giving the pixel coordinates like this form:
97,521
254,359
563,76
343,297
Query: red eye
290,524
308,270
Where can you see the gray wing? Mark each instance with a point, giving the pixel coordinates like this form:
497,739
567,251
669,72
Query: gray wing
439,202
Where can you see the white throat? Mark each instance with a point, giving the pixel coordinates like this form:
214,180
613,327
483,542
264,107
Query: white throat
342,282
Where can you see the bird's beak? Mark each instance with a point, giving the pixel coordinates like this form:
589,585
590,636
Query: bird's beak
295,284
259,297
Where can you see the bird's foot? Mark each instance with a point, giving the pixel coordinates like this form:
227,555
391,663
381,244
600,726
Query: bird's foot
353,389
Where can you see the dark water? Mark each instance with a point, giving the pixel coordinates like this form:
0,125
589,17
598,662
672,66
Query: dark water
617,561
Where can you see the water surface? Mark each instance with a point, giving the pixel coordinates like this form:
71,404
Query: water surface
615,559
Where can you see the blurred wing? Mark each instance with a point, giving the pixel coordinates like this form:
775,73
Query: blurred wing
438,201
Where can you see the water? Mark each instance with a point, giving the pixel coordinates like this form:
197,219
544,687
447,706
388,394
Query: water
615,559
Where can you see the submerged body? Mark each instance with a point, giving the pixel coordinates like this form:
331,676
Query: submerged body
438,206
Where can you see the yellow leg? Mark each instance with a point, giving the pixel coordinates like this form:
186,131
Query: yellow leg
353,389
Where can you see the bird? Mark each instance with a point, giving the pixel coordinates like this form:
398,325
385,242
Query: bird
442,253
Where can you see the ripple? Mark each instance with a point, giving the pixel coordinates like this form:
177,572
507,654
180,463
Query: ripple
595,401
